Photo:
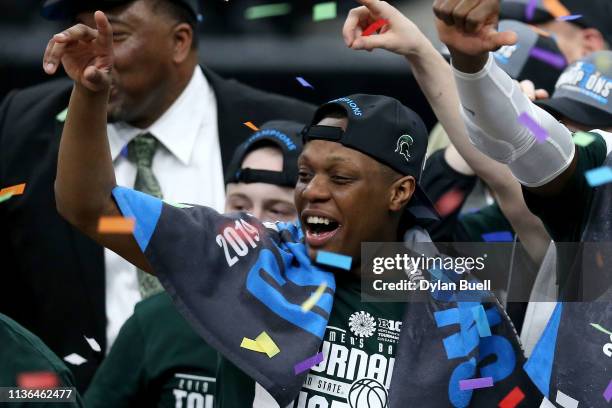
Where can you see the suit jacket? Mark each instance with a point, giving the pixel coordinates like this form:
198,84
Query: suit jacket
51,276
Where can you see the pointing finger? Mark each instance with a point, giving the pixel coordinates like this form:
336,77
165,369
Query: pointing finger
105,30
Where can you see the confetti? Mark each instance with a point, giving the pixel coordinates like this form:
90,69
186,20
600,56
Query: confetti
608,392
4,197
569,18
267,10
177,205
267,344
251,345
314,298
539,132
530,9
551,58
374,27
308,363
599,176
449,202
566,401
13,190
555,8
61,117
116,225
75,359
38,379
603,62
93,344
547,404
475,383
251,126
499,236
513,398
304,83
601,329
482,324
324,11
583,139
335,260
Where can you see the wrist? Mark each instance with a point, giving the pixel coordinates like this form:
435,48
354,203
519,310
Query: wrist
423,47
469,64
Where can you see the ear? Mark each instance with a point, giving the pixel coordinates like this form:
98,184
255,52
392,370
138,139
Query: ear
183,38
592,41
401,192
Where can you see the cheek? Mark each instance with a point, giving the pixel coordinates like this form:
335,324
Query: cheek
137,65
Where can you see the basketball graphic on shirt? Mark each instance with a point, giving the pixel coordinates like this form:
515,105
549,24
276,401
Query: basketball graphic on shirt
367,393
362,324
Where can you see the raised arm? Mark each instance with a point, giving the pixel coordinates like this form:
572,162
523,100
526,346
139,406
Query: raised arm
85,175
435,78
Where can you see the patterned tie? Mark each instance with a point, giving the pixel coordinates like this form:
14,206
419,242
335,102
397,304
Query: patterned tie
140,152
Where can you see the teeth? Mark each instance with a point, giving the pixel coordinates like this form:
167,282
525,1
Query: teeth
318,220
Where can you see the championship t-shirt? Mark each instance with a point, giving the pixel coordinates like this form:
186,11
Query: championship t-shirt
158,360
358,349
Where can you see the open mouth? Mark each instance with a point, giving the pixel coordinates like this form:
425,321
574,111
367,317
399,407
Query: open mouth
319,229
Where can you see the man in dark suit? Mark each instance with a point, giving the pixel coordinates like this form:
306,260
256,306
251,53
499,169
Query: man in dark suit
173,126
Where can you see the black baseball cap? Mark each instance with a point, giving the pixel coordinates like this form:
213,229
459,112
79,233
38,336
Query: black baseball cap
582,93
285,135
67,9
387,131
523,60
595,13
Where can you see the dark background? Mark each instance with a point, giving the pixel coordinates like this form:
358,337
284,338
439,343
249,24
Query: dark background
267,53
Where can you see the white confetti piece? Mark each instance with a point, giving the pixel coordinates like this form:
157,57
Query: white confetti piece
566,401
75,359
93,344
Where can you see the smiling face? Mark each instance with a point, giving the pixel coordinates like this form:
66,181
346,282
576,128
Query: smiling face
154,61
345,197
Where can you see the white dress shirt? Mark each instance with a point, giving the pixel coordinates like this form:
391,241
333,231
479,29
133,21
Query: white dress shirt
187,165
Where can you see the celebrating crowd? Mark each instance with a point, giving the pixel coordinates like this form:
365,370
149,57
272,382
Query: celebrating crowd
219,294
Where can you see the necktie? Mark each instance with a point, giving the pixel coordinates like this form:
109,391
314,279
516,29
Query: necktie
140,152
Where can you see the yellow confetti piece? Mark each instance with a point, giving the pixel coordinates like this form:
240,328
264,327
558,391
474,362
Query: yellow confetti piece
250,125
314,298
13,190
267,344
251,345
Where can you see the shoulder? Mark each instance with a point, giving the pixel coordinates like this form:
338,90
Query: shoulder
153,304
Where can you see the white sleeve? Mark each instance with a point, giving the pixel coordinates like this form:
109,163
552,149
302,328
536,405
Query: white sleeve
492,103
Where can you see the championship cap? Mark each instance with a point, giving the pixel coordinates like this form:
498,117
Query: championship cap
387,131
595,13
66,9
282,134
582,93
534,57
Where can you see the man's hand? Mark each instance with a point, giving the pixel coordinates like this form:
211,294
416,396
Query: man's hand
469,29
400,35
86,54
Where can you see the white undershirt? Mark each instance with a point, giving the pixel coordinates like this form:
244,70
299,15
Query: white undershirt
188,167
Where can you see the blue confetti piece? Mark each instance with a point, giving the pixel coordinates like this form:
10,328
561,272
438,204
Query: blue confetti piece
569,18
482,324
124,151
599,176
499,236
304,83
335,260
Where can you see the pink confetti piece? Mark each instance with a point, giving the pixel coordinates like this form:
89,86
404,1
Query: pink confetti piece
308,363
538,131
475,383
551,58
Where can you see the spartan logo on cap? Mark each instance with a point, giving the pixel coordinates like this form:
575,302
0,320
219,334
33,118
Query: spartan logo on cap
403,146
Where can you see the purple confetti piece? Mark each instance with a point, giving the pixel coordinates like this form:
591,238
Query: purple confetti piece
570,17
608,392
538,131
530,9
308,363
476,383
551,58
304,83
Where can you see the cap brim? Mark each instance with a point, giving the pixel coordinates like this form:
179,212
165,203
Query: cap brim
576,111
510,10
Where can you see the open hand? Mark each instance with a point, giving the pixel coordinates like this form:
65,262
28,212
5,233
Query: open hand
85,53
400,35
470,26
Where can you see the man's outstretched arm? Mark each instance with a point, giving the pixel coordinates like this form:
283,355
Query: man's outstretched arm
492,101
85,175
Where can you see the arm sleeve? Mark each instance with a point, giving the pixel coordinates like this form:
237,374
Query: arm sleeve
492,103
120,380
